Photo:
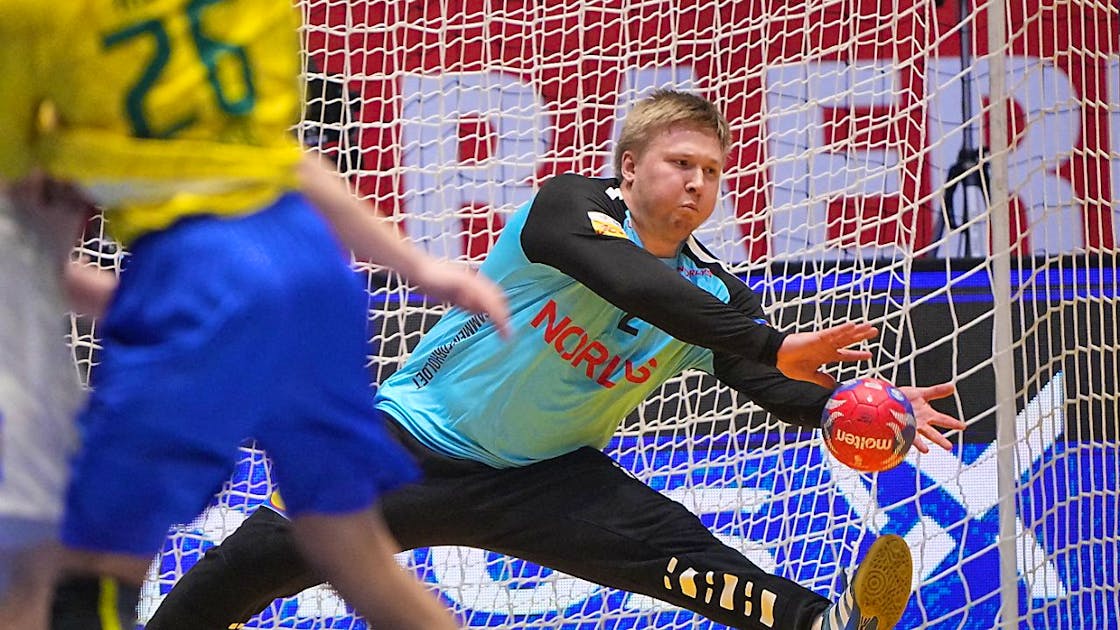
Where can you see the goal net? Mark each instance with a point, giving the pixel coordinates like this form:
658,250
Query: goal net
948,171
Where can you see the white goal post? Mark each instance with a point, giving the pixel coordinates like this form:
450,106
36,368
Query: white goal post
948,170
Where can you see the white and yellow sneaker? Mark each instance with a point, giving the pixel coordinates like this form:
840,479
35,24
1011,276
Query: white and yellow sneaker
879,592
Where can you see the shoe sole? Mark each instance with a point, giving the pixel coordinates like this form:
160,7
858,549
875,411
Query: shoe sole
882,584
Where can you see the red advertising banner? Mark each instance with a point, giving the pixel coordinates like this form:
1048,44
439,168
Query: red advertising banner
848,117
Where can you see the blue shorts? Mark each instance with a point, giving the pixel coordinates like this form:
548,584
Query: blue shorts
221,330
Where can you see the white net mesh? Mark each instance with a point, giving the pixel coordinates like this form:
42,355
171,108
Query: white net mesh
860,187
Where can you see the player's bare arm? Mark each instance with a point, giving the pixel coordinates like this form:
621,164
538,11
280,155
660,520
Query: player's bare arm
374,239
89,289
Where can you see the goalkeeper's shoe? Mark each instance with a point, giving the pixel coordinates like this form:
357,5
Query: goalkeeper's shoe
879,592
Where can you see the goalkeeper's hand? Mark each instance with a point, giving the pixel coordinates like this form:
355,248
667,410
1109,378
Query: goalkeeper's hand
802,355
928,418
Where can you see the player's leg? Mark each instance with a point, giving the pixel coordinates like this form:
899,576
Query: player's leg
39,395
26,578
356,551
579,513
259,562
878,595
584,515
331,456
187,356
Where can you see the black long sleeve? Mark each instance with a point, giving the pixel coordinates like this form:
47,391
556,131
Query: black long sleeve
791,400
560,232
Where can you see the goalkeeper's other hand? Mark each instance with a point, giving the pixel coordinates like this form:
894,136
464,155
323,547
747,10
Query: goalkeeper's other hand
802,355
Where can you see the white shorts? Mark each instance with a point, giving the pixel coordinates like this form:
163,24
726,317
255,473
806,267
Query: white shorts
39,390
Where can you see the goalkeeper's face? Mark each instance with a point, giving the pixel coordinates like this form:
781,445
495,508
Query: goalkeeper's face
672,185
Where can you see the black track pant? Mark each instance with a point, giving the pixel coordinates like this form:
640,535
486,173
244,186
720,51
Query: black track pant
579,513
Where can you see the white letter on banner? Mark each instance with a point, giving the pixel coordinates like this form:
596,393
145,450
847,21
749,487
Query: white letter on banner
437,185
1052,111
805,174
720,233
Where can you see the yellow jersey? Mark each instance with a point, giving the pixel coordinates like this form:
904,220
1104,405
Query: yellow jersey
160,109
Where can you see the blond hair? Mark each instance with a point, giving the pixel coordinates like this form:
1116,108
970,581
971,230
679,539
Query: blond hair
663,109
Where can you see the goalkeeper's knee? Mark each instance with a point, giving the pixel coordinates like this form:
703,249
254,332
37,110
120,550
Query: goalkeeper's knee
94,603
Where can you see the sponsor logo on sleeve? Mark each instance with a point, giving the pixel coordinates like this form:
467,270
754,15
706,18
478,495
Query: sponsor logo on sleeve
604,225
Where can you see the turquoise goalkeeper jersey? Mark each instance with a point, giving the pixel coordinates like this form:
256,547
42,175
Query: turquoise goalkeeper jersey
598,323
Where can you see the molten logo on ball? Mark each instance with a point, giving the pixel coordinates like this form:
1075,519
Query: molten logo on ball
868,425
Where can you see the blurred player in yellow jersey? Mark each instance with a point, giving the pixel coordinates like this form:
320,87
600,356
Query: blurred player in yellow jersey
237,314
